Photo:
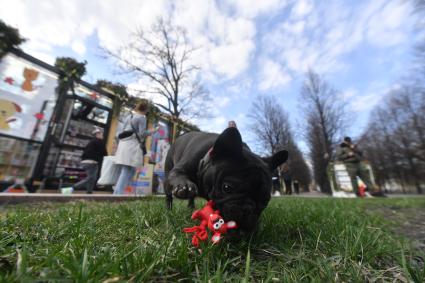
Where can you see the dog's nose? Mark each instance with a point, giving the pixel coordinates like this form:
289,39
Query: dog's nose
243,213
233,212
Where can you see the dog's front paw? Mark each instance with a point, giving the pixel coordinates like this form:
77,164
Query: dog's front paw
185,190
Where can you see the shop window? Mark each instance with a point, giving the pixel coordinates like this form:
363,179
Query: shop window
93,96
89,112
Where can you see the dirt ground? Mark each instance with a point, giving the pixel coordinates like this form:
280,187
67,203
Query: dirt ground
410,223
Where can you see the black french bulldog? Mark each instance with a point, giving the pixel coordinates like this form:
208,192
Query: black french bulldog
221,168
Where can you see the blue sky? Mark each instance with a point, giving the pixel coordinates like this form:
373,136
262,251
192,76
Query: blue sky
246,47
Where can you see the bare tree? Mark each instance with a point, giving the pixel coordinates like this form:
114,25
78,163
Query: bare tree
325,120
299,168
270,124
162,59
395,141
419,64
420,4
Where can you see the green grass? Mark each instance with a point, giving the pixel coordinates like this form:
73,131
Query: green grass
298,240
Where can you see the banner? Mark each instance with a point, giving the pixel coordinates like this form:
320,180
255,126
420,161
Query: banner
27,98
160,147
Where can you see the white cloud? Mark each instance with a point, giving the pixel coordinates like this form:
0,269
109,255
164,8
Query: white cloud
272,75
254,8
232,59
348,94
372,97
221,102
240,88
219,123
366,102
310,33
302,8
214,125
320,35
315,33
386,28
226,42
66,23
78,47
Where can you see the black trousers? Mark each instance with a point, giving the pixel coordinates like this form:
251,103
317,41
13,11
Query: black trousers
288,188
276,186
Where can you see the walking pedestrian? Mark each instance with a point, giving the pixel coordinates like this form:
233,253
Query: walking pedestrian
91,161
287,179
131,147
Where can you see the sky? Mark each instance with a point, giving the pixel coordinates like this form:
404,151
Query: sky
246,48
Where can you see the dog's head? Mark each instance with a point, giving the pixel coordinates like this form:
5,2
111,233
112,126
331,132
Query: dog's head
237,180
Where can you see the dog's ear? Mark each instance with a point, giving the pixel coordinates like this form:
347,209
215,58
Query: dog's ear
228,144
277,159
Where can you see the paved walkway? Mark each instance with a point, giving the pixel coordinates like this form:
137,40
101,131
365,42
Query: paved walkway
15,198
322,195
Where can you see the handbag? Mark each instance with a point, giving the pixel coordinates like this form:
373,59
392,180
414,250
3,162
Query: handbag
110,171
125,134
128,133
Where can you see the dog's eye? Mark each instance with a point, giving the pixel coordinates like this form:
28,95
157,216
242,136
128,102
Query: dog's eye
216,226
227,188
221,221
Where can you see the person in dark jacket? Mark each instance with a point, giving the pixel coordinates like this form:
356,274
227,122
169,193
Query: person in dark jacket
231,124
296,187
91,161
276,182
285,173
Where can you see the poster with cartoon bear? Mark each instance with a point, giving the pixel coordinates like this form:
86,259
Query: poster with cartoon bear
27,98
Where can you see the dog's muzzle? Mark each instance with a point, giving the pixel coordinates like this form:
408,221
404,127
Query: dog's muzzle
244,212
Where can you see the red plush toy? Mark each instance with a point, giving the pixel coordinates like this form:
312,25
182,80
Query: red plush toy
209,218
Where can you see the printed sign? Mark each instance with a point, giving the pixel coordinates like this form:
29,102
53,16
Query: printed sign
142,183
342,178
27,98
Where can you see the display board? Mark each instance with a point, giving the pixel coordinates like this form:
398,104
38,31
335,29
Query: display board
159,145
342,178
159,149
27,98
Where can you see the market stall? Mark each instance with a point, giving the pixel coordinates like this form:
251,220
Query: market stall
43,131
27,100
84,109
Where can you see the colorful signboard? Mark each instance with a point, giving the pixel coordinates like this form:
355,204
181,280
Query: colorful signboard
27,98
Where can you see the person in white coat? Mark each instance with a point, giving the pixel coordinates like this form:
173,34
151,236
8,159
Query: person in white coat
129,154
